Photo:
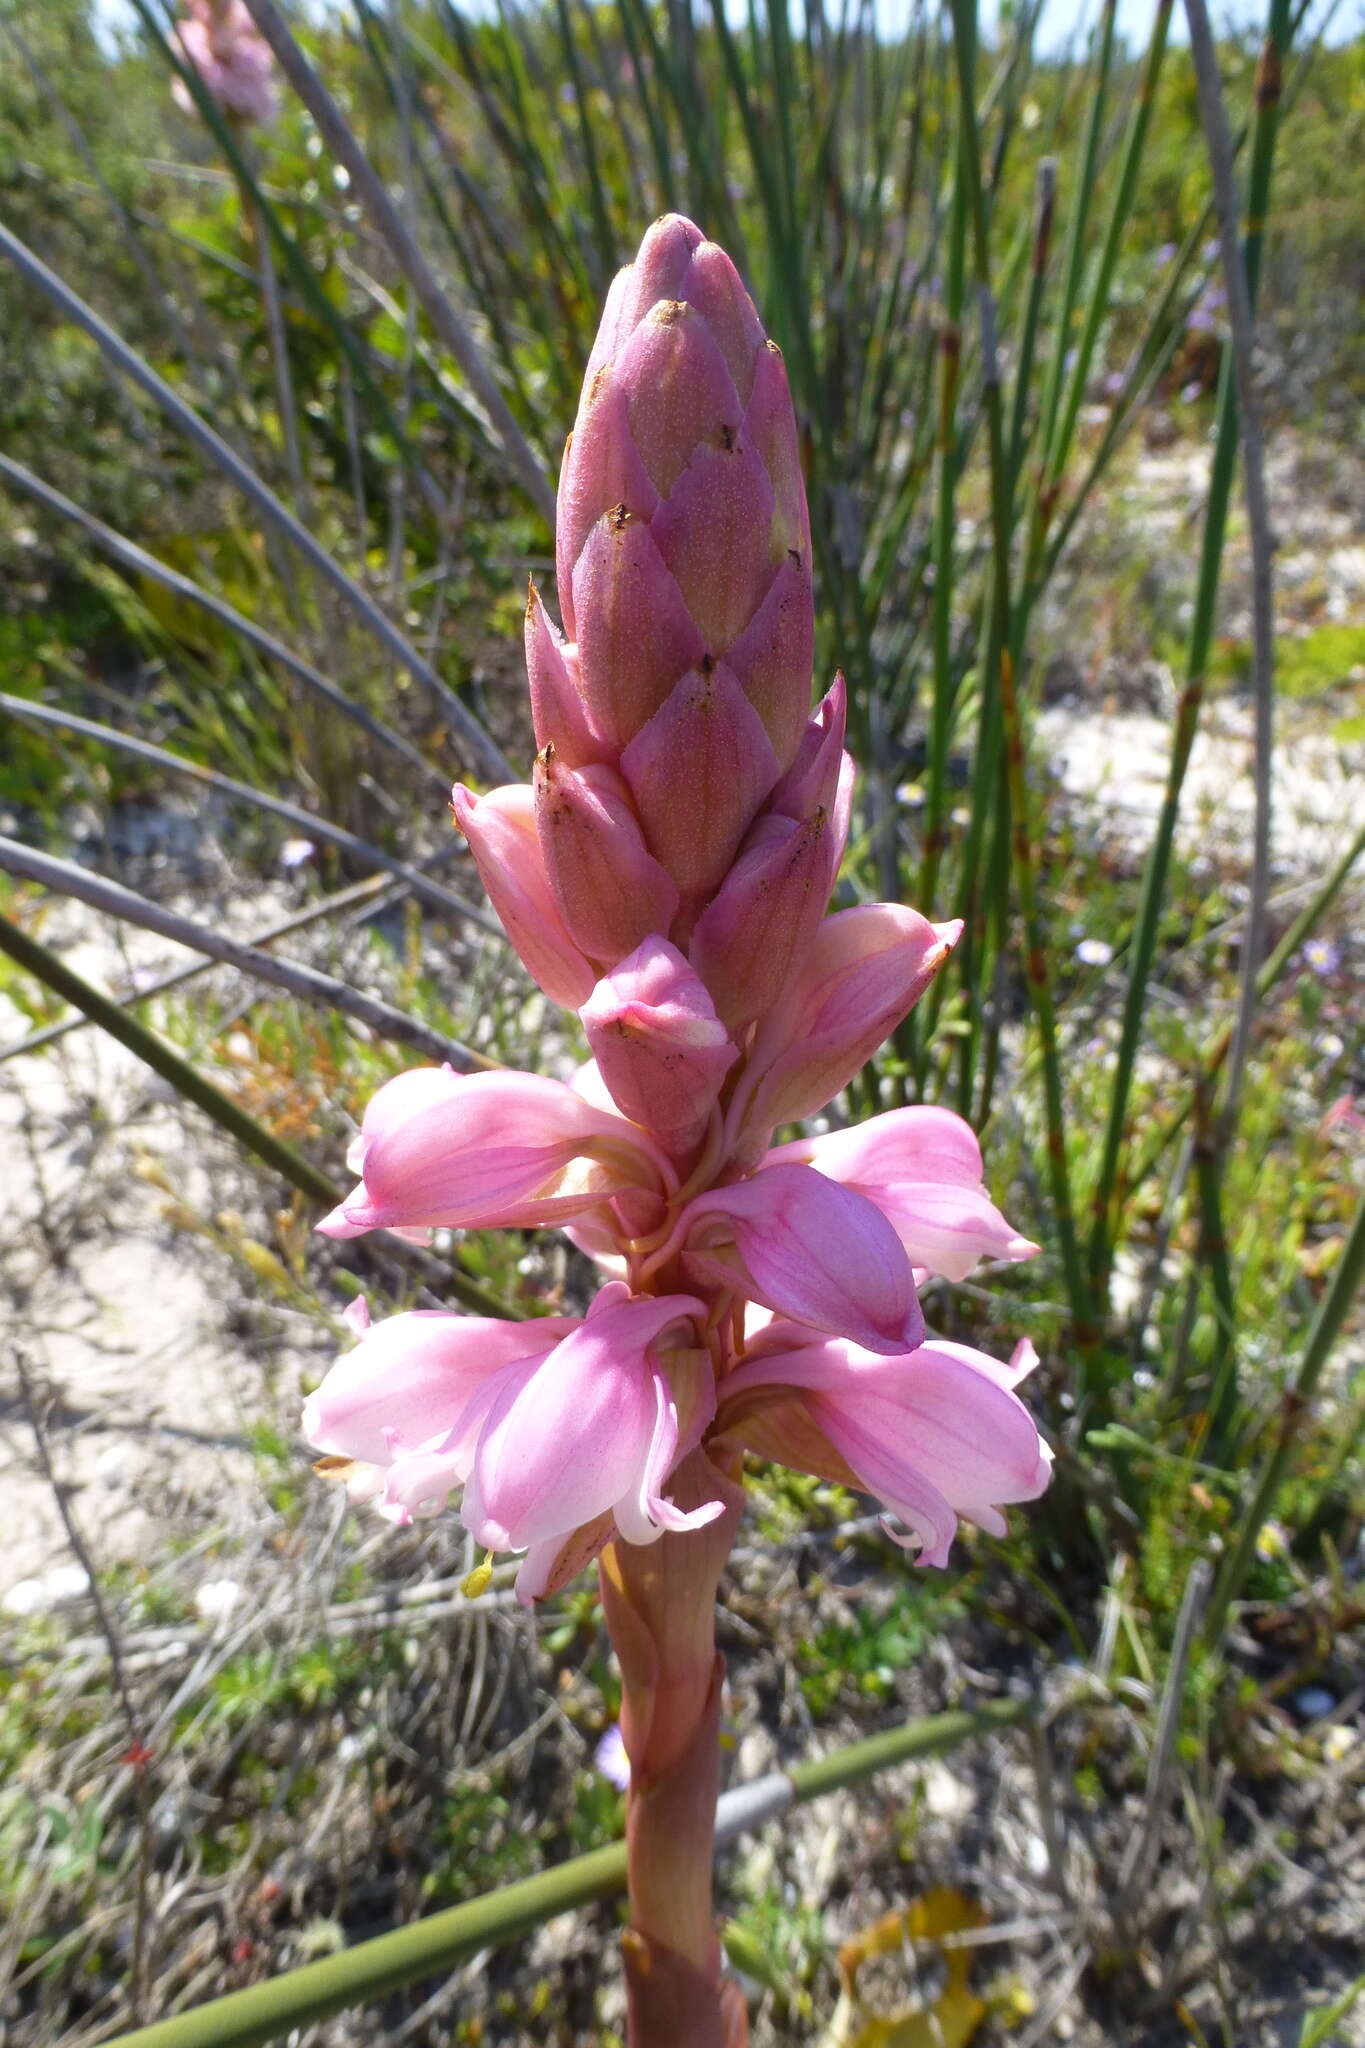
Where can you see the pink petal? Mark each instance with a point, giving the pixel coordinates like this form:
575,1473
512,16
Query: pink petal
750,940
933,1431
698,770
501,830
479,1151
636,636
602,469
714,532
713,285
770,429
922,1167
570,1440
864,970
557,711
834,1263
774,655
411,1376
662,267
812,781
679,390
549,1566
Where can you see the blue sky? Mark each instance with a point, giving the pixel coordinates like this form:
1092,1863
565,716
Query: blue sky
1061,19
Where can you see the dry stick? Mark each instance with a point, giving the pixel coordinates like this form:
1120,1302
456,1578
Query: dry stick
433,894
388,223
133,557
375,894
1142,1846
308,984
1242,325
130,364
138,1756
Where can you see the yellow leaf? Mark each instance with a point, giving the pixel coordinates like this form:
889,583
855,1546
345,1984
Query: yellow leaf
947,2021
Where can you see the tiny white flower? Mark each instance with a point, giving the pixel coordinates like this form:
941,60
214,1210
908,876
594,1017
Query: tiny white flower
216,1599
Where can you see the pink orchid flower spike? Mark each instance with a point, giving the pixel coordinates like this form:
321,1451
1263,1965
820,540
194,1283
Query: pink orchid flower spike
667,872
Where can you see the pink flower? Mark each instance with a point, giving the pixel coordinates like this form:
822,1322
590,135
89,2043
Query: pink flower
668,875
222,43
554,1428
660,1047
936,1434
592,1430
501,830
922,1168
808,1249
478,1151
862,972
395,1404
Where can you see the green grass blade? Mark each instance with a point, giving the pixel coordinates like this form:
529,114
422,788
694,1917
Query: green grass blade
1156,872
422,886
140,373
37,960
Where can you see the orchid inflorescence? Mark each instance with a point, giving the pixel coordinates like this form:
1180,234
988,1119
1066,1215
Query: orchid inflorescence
668,874
221,42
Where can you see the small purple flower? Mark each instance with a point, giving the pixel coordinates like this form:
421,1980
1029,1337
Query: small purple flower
1322,955
1189,392
1163,255
611,1759
1113,384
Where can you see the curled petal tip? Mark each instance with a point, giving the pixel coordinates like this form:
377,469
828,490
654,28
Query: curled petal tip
346,1220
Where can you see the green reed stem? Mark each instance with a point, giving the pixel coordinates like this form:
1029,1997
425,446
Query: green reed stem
359,1976
1097,301
1220,1405
1216,1050
1327,1327
132,557
1146,932
194,1087
38,960
433,894
138,372
1073,262
1003,681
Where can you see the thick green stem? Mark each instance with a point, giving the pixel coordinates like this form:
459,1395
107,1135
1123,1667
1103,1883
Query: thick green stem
660,1602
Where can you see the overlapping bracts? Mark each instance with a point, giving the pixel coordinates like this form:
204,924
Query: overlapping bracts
668,873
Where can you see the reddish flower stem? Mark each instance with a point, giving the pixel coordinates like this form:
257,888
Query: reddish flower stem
660,1602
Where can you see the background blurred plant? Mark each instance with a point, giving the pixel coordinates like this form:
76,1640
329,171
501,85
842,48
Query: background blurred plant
999,308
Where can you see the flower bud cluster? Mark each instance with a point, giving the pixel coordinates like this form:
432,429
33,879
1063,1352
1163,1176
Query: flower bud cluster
668,874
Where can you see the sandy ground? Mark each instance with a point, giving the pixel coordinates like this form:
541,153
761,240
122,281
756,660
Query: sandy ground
121,1315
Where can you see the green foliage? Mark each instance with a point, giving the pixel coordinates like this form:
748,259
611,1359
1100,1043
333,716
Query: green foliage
864,1657
1325,2023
